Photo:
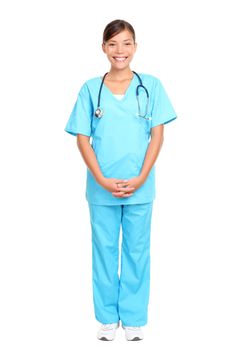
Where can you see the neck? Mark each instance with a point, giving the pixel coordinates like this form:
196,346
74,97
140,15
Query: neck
120,74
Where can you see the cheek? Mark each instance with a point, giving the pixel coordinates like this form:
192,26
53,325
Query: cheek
110,52
131,52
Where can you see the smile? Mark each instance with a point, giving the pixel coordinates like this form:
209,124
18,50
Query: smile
120,59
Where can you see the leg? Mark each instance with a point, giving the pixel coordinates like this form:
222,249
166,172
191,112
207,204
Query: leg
135,264
105,224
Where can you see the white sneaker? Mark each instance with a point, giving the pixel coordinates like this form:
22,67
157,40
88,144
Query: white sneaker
107,331
133,333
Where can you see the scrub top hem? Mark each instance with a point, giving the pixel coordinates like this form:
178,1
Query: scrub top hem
164,122
75,133
122,202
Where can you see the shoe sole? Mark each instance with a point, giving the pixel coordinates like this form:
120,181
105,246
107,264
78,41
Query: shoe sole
105,339
135,339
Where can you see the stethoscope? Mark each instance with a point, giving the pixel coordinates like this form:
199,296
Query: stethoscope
99,111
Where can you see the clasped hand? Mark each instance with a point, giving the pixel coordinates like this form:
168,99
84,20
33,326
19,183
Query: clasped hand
122,188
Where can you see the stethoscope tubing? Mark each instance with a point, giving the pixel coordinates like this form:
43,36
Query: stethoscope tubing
99,111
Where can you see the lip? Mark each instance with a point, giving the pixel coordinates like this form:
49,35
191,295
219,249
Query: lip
120,58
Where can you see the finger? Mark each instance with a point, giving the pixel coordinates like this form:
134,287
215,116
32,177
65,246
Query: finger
117,194
127,194
121,194
126,189
121,185
122,182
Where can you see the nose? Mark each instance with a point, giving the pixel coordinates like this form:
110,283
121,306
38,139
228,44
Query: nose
119,48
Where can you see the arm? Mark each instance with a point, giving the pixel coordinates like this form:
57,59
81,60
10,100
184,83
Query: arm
84,146
152,151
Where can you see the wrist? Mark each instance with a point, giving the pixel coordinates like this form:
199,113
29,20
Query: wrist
142,178
100,179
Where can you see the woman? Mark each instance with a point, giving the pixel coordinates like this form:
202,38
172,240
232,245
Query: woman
124,112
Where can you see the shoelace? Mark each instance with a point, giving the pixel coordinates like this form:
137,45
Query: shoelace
107,326
133,328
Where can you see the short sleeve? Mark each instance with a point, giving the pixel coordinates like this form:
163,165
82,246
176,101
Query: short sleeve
162,109
81,116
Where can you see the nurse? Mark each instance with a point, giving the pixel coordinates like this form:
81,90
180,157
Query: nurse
118,119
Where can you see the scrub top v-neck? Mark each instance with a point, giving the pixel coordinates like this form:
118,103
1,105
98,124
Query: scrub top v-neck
119,96
124,96
120,138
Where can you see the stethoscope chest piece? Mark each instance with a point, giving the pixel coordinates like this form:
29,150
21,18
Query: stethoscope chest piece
99,112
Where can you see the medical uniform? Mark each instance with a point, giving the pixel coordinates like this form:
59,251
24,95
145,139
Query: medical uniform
120,140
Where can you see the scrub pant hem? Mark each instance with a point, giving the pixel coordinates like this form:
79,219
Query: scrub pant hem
134,324
106,321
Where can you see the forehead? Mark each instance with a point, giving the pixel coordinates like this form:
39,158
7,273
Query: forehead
122,36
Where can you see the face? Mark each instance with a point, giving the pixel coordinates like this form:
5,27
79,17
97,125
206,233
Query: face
120,49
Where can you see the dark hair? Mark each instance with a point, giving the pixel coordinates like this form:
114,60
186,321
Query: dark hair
115,27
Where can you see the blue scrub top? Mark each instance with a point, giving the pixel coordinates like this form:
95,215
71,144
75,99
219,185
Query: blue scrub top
120,138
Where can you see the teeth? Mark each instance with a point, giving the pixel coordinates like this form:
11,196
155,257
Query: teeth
120,59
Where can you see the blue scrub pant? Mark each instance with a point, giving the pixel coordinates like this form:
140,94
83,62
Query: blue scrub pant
123,297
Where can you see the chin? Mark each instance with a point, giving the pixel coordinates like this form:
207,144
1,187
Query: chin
119,66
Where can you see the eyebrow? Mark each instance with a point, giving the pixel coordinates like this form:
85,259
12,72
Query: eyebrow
114,41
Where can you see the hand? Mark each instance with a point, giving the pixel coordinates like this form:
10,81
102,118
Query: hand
119,187
127,188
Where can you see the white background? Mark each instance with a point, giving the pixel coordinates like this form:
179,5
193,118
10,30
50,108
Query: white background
48,49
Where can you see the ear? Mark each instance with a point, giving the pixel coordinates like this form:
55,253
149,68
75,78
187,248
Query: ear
135,47
103,47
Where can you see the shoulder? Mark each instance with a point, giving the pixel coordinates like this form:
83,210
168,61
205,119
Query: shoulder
88,86
93,81
149,79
